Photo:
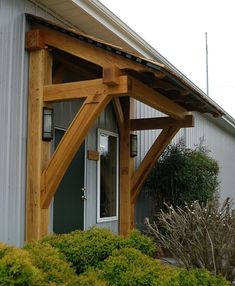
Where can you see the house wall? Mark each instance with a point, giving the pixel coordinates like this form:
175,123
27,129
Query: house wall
13,116
220,142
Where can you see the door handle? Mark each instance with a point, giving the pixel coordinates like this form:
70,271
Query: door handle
83,191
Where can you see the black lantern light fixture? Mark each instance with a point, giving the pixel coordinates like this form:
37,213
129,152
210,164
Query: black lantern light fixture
133,145
47,124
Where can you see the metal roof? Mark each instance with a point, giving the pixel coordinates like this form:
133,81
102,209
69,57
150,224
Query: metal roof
154,74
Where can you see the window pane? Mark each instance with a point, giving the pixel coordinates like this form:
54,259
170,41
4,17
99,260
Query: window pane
108,175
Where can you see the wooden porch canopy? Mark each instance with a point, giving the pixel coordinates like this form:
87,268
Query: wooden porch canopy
108,73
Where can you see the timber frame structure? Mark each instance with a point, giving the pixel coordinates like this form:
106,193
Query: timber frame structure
110,75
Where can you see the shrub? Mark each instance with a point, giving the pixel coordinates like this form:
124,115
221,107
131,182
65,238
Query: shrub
85,249
141,242
131,267
200,236
52,263
90,277
16,268
183,175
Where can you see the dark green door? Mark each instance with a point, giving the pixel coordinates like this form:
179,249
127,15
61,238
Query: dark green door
68,213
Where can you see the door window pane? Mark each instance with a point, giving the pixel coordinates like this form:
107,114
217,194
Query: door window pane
108,175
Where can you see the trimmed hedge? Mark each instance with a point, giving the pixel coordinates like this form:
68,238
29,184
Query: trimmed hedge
16,268
129,267
88,248
100,259
52,263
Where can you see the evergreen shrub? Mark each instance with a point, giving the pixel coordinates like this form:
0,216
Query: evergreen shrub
55,268
16,268
183,175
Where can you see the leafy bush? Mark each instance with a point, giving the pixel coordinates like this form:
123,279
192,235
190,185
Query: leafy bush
131,267
52,263
183,175
89,248
16,268
200,236
90,277
141,242
85,249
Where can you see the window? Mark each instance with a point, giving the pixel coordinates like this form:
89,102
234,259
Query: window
107,177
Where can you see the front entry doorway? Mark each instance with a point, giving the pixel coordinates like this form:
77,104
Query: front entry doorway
68,211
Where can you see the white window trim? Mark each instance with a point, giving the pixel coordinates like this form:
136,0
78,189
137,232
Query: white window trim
113,218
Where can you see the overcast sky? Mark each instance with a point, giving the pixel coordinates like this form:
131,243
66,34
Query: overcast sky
176,29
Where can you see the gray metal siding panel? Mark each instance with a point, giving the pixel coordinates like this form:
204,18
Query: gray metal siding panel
13,117
12,121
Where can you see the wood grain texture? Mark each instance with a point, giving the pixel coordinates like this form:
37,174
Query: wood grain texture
149,96
38,152
83,89
160,123
70,144
125,171
149,160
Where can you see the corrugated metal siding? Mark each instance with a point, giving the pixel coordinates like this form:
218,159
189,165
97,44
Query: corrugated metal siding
13,117
12,121
220,142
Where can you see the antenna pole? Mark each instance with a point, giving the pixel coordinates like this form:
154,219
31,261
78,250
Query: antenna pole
207,74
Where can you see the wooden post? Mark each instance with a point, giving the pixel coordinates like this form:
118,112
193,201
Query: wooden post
125,170
38,152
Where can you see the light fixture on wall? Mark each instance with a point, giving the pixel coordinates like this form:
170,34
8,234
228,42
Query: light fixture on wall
133,145
47,124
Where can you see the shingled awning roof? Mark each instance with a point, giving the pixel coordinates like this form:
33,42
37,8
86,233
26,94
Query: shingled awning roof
154,74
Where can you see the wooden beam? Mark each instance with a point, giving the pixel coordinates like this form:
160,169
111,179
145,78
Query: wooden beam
83,89
69,145
111,75
118,113
38,152
149,160
149,96
125,171
34,40
88,52
160,123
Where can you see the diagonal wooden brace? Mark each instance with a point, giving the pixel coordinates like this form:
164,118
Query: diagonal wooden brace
149,160
69,145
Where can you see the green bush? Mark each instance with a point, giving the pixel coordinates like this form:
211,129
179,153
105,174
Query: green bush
183,175
200,277
141,242
90,277
17,269
52,263
131,267
127,267
85,249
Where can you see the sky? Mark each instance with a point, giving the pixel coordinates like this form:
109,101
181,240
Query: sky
176,29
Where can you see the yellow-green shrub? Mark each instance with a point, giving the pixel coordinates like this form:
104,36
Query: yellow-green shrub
52,263
85,249
16,268
141,242
90,277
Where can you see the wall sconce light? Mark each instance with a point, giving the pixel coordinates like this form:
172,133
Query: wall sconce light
134,146
47,124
